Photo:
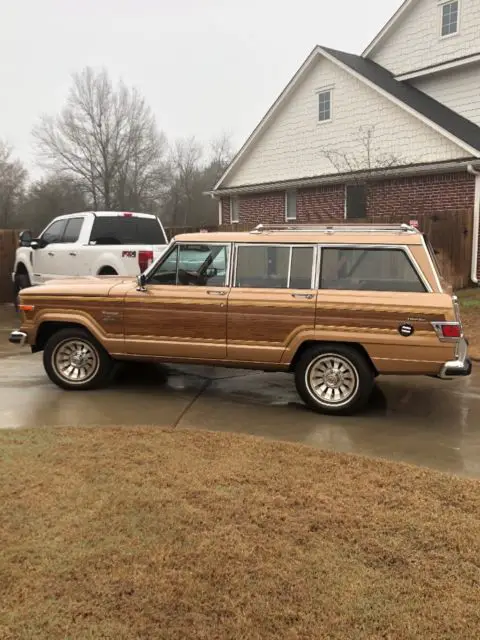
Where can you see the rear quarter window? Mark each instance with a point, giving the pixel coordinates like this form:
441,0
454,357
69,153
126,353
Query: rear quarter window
369,269
126,230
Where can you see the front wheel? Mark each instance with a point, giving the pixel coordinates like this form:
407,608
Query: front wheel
74,360
334,379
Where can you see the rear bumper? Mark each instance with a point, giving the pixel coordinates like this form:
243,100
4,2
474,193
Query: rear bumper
18,337
461,366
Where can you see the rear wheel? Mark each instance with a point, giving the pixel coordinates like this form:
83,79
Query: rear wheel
74,360
334,379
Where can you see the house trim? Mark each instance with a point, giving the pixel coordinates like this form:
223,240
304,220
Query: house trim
340,178
379,37
435,68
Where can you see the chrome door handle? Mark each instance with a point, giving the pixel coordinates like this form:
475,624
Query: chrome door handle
217,293
51,254
72,253
303,296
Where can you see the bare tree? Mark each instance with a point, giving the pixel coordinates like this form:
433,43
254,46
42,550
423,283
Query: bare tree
362,155
186,158
12,183
105,138
221,156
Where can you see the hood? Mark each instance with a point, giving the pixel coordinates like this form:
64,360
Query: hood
81,286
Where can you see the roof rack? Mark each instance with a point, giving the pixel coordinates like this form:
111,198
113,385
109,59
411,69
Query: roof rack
341,228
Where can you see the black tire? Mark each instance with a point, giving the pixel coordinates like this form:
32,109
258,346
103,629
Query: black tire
340,371
21,281
89,358
107,271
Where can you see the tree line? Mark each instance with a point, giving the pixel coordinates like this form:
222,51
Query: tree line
105,152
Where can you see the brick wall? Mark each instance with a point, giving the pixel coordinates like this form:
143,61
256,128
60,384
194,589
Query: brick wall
401,198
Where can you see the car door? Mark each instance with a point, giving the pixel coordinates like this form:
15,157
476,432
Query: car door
68,257
46,255
181,312
272,300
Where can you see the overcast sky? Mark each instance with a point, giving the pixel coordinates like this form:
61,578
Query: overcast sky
204,66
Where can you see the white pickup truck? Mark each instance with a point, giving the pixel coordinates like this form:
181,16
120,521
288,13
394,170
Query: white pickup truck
85,244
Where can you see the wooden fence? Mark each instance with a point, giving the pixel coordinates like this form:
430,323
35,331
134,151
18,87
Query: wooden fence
450,234
8,246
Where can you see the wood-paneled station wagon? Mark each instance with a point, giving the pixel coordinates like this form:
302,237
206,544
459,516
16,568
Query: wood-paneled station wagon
336,306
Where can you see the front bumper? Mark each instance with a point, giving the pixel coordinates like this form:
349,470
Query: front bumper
461,366
18,337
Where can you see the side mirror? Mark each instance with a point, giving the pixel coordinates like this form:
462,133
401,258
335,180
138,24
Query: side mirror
25,238
141,282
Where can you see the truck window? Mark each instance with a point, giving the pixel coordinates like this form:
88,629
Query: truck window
54,233
72,230
126,230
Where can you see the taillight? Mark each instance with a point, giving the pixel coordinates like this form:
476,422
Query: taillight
145,259
448,330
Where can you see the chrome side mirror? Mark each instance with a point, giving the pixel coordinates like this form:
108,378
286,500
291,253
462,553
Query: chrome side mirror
141,282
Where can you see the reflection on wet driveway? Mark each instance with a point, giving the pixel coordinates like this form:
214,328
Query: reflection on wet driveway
417,420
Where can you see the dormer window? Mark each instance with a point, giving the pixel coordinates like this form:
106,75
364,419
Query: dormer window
449,18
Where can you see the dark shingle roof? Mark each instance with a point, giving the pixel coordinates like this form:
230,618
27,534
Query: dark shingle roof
438,113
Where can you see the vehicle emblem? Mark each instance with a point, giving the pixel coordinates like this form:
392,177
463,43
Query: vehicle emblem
406,330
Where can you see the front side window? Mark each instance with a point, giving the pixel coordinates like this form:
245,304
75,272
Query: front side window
72,230
324,106
193,265
54,233
449,18
368,269
274,267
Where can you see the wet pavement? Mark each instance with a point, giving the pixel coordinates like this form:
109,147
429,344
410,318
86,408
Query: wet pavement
416,420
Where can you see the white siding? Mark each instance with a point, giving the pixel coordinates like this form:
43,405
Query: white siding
457,89
415,41
293,144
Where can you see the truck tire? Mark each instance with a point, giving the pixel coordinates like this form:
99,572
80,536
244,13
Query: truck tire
21,281
75,361
334,379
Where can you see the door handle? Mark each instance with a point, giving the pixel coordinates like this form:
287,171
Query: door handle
72,253
50,253
217,293
302,296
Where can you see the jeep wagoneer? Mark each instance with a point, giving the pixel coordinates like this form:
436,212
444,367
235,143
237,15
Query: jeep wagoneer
336,306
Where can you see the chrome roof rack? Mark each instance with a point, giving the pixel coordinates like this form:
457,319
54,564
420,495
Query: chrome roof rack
338,228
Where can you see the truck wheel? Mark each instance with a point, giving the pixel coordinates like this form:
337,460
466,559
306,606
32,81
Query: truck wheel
334,379
74,360
107,271
21,281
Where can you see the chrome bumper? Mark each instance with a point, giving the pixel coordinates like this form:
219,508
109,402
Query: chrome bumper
18,337
461,366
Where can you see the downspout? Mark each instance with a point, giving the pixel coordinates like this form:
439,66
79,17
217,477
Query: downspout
476,223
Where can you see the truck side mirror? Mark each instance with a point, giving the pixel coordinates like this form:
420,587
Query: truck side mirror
25,238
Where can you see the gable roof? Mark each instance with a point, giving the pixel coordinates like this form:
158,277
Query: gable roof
396,16
448,123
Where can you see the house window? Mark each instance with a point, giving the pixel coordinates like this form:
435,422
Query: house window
349,269
291,205
449,18
355,202
325,106
235,209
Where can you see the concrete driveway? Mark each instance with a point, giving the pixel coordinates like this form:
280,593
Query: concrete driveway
416,420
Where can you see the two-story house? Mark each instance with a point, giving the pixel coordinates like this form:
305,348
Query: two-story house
390,133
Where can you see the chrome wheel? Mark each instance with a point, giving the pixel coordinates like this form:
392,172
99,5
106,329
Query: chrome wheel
76,361
332,380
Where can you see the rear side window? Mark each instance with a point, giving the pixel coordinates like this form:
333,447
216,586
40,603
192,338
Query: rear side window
368,270
72,230
54,233
274,267
126,230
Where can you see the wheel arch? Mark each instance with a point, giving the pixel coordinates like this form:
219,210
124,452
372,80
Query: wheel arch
307,344
48,328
